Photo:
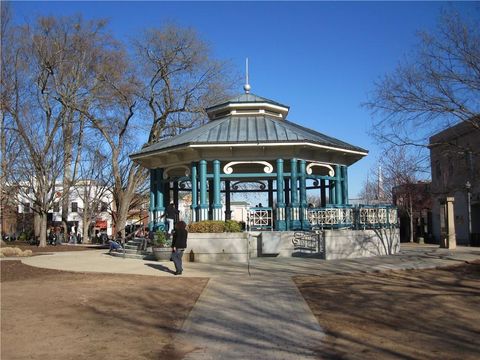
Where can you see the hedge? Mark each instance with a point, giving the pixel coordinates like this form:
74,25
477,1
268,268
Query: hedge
214,226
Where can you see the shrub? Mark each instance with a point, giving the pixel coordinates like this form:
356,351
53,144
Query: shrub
23,237
215,226
160,239
207,226
14,251
233,226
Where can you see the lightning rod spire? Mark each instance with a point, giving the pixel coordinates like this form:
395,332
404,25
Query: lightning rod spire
247,86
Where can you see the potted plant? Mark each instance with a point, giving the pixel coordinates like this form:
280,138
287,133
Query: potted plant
162,246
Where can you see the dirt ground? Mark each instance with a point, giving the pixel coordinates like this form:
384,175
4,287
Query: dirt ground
420,314
50,314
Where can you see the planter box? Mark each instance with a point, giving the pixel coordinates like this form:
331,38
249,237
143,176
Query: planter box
218,247
162,253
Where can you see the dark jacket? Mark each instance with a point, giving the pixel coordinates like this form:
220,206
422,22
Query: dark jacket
171,212
180,238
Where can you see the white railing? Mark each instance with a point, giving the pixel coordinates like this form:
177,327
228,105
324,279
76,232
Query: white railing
363,216
330,217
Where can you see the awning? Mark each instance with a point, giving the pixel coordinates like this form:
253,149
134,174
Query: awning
102,224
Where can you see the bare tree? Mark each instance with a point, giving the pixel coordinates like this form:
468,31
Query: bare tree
395,181
437,86
93,186
53,66
36,119
177,80
7,141
112,114
78,46
180,79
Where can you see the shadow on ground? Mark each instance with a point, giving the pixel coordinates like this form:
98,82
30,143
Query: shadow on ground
414,314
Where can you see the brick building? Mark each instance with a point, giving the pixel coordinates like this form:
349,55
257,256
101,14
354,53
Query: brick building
455,164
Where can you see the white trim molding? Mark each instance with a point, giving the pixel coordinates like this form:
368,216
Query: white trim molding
279,144
166,170
331,172
228,168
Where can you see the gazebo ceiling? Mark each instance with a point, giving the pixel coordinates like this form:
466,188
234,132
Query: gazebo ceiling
248,127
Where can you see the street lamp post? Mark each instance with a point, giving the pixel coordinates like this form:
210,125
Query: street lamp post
468,186
141,219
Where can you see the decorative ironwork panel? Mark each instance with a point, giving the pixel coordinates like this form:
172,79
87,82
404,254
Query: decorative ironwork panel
307,240
260,218
364,216
330,217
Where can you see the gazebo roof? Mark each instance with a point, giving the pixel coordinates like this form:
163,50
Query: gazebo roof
246,123
246,98
249,130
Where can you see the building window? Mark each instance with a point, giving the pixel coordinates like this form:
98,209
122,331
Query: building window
438,170
74,207
103,206
26,207
56,207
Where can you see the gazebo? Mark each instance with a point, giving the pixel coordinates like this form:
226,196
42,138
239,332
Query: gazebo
248,139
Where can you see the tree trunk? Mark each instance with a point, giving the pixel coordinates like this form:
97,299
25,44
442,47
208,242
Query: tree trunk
410,216
37,231
3,172
122,215
86,225
43,229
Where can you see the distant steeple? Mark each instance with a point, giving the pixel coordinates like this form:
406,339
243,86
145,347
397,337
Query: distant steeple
247,86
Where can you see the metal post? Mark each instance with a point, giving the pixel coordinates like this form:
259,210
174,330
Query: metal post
345,185
151,209
217,204
323,194
303,196
280,223
469,210
338,185
194,192
159,201
203,207
228,209
295,223
331,192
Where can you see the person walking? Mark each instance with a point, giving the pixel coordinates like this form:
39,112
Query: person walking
179,244
171,213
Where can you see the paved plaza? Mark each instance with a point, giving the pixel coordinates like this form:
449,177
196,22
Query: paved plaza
254,310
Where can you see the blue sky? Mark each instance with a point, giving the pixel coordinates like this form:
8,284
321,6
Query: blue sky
320,58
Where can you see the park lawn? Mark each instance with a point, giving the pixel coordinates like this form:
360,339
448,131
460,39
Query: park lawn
50,314
414,314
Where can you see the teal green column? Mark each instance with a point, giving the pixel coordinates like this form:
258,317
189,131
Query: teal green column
323,193
194,192
159,200
151,208
338,185
295,223
345,185
303,196
280,223
331,192
203,207
217,203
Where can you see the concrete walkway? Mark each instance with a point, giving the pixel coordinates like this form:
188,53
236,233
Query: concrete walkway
255,310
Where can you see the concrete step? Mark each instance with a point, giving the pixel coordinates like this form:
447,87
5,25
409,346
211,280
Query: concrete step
140,255
127,255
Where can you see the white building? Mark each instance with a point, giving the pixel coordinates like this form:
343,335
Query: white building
89,205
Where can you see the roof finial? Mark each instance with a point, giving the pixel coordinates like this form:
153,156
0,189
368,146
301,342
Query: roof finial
246,87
